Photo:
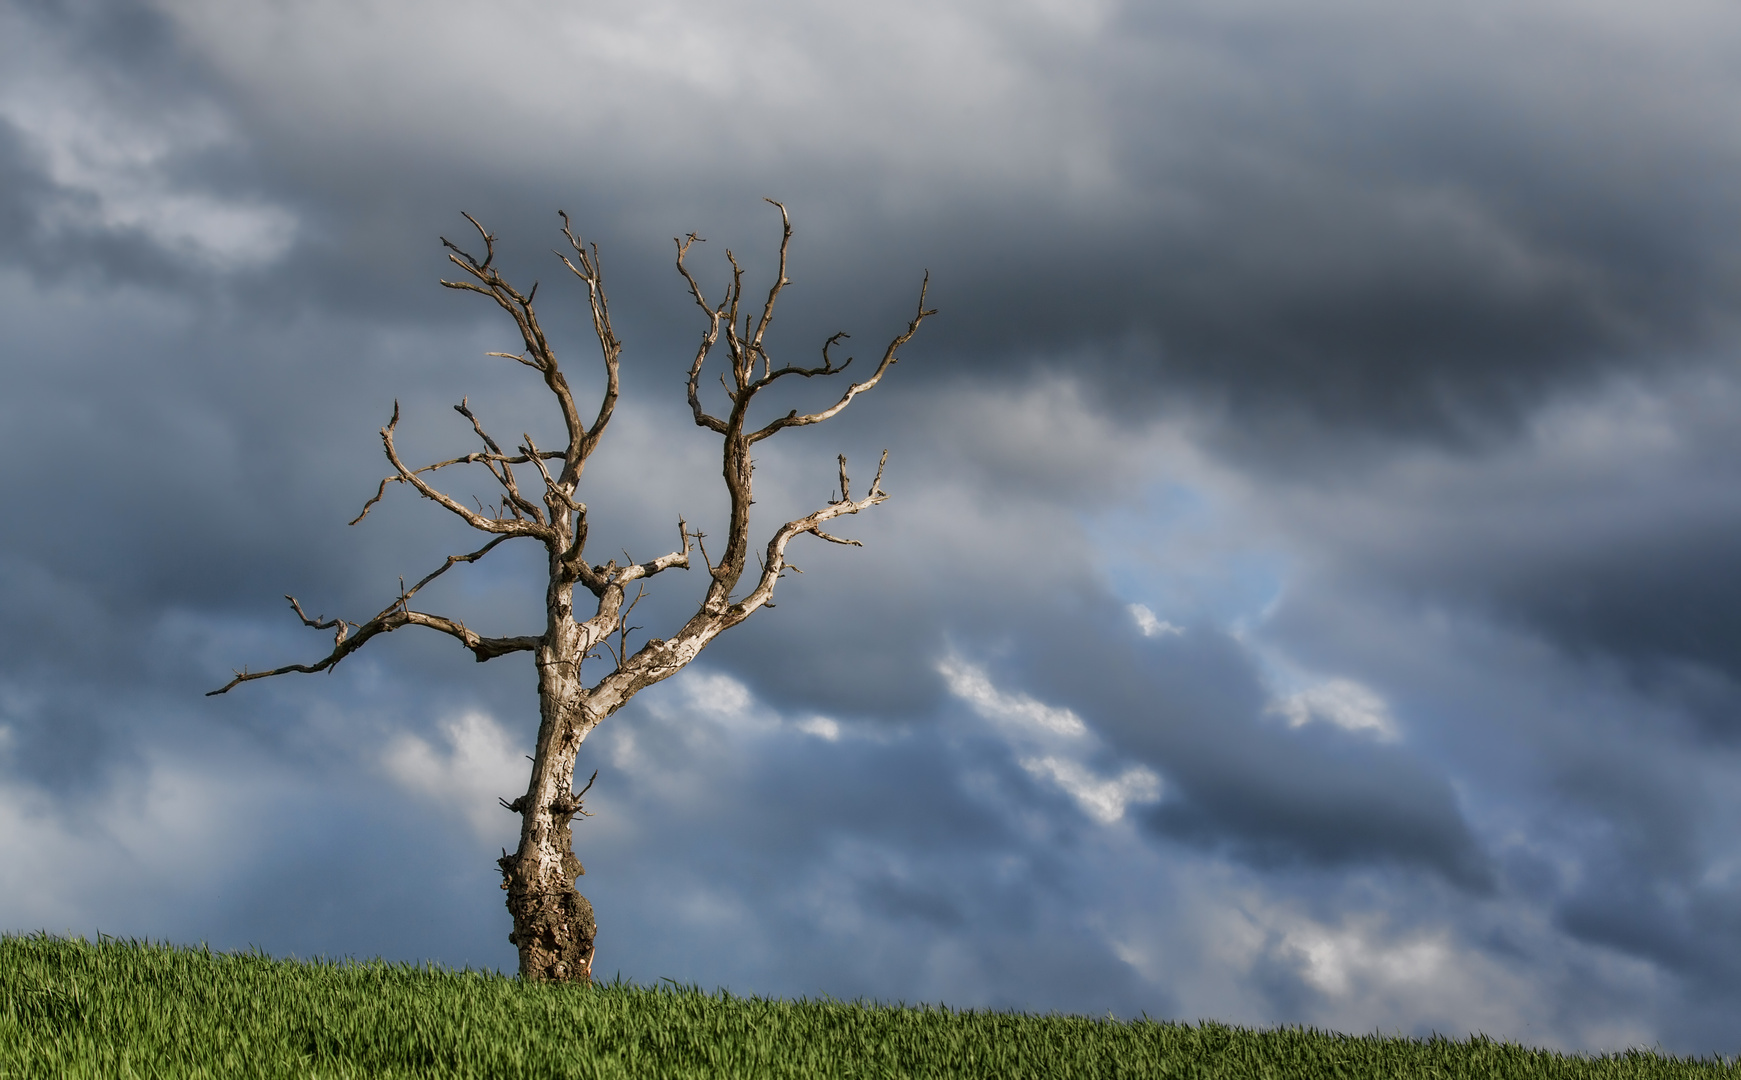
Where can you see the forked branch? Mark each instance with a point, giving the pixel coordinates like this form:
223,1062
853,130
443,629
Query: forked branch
537,527
889,360
490,460
591,271
391,618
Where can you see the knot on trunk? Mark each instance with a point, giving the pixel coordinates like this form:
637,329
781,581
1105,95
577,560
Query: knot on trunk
565,806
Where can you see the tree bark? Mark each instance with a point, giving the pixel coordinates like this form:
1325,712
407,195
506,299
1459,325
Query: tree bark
553,923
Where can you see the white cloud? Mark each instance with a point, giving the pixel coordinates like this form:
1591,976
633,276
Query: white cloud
136,858
1008,115
821,727
716,695
729,707
1061,739
1342,702
478,764
113,176
1101,799
1379,970
1151,626
719,698
1333,958
115,165
1019,711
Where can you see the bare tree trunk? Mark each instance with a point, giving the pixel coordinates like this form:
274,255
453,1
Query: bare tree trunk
553,922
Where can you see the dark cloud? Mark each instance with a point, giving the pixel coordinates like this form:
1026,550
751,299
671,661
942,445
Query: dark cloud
1382,356
1665,602
1240,778
1356,227
1603,531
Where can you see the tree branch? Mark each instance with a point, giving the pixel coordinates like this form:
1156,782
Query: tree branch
708,338
391,618
780,282
676,559
469,459
591,271
517,527
775,560
538,353
659,659
793,419
506,477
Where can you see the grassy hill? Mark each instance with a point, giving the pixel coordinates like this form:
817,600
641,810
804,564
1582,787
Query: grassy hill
114,1009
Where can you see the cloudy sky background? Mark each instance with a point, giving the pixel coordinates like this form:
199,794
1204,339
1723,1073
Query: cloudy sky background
1307,594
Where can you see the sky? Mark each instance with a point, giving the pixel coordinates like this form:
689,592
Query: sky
1305,594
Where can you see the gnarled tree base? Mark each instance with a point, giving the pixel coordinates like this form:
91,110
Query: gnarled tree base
554,929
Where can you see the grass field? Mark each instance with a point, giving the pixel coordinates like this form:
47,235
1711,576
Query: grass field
114,1009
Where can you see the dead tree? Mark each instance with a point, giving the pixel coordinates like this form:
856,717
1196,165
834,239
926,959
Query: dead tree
553,924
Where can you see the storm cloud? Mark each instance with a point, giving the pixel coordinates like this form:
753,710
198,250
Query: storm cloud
1305,592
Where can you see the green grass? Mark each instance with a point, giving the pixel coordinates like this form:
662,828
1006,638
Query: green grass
115,1009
